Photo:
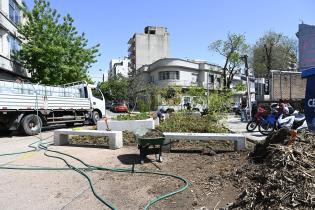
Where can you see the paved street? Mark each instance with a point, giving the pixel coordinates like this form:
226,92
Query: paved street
234,124
54,189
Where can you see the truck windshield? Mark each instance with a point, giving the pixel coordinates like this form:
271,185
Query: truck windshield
97,93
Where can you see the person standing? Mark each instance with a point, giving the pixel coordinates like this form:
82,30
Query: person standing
243,109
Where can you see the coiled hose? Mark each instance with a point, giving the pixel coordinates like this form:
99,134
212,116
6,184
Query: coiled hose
42,145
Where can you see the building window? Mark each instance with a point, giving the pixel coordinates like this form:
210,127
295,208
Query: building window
219,82
14,12
194,77
166,75
211,78
15,45
1,43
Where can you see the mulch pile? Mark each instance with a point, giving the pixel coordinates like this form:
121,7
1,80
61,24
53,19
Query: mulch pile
279,176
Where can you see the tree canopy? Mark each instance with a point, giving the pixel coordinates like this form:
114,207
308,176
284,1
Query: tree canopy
274,51
116,88
53,50
231,49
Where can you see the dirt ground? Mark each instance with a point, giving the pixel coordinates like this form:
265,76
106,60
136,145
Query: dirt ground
208,174
208,166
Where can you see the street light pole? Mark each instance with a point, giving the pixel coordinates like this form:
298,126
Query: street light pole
244,58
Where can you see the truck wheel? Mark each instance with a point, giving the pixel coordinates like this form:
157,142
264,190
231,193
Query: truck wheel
31,124
95,117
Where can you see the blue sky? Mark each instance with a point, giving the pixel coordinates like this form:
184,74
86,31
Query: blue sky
192,24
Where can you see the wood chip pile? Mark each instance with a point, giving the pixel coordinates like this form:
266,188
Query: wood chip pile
278,177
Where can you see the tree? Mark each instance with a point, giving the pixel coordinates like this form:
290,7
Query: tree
52,50
231,49
274,51
116,88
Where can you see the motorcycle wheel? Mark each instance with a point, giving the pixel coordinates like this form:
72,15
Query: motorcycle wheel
251,126
265,128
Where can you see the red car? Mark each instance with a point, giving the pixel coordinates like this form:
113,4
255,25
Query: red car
120,107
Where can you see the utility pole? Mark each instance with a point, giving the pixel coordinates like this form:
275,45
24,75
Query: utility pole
208,90
244,58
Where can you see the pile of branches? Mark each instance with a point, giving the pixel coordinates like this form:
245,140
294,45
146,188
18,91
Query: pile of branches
279,177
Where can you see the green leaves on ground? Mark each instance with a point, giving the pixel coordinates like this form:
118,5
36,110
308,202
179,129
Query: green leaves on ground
52,50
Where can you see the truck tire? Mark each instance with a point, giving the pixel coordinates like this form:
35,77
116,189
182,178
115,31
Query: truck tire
31,124
95,117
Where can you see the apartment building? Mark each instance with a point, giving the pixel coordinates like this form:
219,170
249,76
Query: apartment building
181,73
148,47
10,18
118,66
306,36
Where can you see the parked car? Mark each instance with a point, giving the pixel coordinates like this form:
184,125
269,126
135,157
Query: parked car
119,107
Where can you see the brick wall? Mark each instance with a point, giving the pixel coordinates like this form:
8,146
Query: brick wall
288,86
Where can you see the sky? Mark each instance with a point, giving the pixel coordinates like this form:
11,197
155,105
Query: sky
192,24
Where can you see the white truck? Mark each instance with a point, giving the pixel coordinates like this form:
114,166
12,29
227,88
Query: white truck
27,107
185,100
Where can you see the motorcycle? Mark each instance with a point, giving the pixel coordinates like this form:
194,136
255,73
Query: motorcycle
269,123
251,125
295,121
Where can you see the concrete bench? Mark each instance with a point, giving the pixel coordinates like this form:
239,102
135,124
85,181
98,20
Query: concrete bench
239,139
61,136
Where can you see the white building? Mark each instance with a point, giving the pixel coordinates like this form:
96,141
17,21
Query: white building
181,73
10,17
148,47
118,66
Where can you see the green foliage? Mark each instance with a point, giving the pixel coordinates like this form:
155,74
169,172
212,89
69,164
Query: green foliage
141,116
52,50
196,91
274,51
154,102
170,95
184,122
219,102
240,86
199,93
115,88
231,49
143,106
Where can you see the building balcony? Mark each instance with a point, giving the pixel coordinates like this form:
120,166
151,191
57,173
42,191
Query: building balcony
13,66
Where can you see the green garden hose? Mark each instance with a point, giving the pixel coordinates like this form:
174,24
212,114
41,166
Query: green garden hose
88,167
41,145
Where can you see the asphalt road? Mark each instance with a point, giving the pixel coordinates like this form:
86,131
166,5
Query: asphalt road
30,190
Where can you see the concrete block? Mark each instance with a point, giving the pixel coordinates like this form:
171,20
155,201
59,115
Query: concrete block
238,139
136,126
60,139
115,140
61,136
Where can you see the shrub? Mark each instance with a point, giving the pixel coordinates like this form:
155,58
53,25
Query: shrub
141,116
143,106
185,122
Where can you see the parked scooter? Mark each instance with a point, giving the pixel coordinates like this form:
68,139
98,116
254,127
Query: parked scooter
295,121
